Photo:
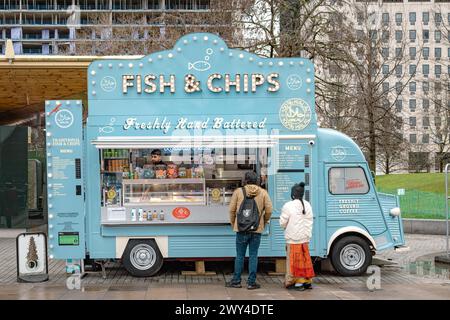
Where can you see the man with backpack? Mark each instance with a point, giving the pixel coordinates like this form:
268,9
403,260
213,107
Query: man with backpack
250,211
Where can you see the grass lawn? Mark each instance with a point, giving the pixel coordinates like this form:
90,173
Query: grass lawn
427,182
424,193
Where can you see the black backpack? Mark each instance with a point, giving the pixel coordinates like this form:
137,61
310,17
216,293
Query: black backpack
248,215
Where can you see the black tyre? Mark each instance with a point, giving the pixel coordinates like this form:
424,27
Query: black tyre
142,258
350,256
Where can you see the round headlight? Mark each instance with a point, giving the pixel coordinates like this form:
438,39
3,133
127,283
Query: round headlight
395,212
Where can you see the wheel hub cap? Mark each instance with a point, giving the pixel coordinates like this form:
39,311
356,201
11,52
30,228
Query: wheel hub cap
352,256
142,257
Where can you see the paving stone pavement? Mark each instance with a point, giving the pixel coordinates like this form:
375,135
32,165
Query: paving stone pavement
409,269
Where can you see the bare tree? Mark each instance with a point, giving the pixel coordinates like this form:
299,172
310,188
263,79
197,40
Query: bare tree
439,123
439,119
372,65
142,33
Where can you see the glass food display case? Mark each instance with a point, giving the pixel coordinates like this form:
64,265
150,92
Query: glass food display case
163,191
138,189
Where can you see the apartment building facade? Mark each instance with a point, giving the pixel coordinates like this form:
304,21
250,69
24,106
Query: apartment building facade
59,26
424,103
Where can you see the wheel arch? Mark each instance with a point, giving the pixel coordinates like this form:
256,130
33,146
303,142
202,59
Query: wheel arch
350,231
161,242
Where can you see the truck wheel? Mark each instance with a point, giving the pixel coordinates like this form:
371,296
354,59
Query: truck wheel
142,258
350,256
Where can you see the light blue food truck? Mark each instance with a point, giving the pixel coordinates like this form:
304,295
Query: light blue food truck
168,137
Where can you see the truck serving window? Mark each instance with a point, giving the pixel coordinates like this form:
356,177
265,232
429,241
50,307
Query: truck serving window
349,180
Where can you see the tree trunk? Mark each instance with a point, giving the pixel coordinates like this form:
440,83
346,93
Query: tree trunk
372,141
387,165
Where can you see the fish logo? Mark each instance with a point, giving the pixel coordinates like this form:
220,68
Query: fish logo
199,65
202,65
109,128
106,129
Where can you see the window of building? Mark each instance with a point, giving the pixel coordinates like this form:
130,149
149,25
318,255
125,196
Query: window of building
385,87
385,53
425,17
412,35
398,18
438,87
398,35
437,53
398,87
437,122
412,122
398,70
413,138
426,69
359,17
426,122
350,180
385,18
437,35
448,51
385,35
437,18
412,105
412,87
412,69
425,138
426,53
426,35
398,105
426,86
412,18
426,105
437,70
412,53
385,69
398,53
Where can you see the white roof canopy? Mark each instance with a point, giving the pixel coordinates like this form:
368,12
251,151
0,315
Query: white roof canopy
237,141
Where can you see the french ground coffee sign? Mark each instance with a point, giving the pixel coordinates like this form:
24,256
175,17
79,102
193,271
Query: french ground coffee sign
31,257
201,84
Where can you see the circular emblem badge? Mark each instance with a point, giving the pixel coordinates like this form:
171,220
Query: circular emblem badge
111,194
295,114
108,84
215,194
294,81
64,118
338,153
181,213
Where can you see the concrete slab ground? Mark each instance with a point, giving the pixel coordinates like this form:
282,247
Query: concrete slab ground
409,274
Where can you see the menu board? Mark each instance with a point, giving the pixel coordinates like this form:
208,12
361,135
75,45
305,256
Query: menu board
292,159
64,179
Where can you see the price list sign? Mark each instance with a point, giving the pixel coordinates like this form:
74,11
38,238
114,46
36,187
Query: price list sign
64,179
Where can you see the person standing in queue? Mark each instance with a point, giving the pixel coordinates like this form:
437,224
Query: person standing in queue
297,221
250,210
